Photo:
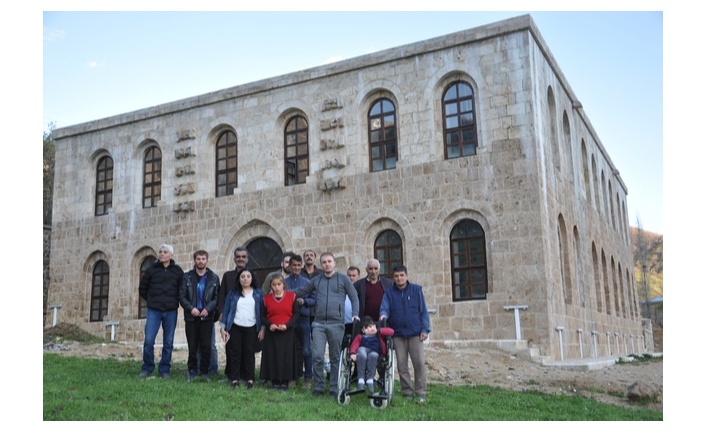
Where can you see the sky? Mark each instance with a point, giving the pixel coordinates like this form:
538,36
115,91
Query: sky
99,64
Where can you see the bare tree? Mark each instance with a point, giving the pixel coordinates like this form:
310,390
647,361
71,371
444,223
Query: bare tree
641,255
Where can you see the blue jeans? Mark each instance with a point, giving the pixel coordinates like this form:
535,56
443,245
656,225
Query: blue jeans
303,331
167,320
213,366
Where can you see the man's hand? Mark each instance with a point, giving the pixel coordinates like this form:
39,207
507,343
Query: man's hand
195,312
423,336
356,318
204,313
225,335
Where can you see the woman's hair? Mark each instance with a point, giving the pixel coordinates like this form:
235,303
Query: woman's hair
278,277
239,287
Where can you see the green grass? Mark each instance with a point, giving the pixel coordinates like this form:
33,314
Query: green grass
79,389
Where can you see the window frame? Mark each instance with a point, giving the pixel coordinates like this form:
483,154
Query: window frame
100,299
460,129
384,145
104,186
142,303
151,168
467,245
294,173
385,252
224,186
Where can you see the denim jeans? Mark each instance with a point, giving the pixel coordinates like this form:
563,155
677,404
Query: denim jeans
303,331
213,366
167,320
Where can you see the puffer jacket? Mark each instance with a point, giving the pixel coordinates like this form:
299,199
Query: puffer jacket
159,286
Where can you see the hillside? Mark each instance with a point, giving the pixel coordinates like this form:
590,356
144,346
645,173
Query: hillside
651,245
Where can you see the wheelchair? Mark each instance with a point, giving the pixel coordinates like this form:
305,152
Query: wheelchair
385,383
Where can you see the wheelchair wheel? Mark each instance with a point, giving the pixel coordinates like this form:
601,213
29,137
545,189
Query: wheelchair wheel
344,378
388,384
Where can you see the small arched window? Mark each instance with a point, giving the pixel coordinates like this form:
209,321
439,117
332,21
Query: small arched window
226,164
104,185
99,291
296,150
382,135
468,261
460,136
388,250
152,178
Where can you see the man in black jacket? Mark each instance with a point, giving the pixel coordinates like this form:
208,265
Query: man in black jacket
159,286
198,295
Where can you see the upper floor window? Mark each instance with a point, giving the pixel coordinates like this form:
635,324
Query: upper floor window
226,164
104,185
296,150
146,263
382,135
99,291
388,250
468,263
152,178
460,136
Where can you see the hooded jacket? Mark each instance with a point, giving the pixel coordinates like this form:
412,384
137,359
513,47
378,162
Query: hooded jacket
331,295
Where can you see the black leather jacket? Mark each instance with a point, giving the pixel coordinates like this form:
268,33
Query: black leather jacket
187,293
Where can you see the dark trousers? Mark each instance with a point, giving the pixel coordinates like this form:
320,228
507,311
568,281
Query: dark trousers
198,337
240,352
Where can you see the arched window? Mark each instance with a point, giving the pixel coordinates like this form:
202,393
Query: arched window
460,136
152,178
146,263
388,250
226,164
99,291
565,260
469,270
104,185
296,150
382,135
264,256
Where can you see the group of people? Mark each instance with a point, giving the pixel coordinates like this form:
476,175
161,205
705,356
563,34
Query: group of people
291,318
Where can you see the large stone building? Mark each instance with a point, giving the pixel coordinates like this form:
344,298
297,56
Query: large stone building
467,157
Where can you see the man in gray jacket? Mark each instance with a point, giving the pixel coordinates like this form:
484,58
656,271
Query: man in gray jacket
331,288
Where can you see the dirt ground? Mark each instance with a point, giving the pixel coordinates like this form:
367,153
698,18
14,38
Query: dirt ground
466,366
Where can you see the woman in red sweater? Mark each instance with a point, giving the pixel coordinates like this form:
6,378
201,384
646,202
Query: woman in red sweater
280,312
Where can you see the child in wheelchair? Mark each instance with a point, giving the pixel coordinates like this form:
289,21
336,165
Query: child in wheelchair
366,350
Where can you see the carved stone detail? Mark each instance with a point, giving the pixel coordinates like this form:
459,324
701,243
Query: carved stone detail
330,104
184,207
185,170
183,135
184,189
332,184
331,124
330,144
184,152
333,164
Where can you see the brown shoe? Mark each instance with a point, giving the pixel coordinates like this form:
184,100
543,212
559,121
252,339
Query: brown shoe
306,384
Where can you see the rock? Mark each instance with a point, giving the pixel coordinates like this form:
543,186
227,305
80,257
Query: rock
641,391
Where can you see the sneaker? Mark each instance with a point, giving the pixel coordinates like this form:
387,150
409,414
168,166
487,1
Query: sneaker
234,384
165,376
250,384
361,386
191,376
276,387
333,394
371,387
284,388
421,400
144,375
307,384
206,378
317,393
408,397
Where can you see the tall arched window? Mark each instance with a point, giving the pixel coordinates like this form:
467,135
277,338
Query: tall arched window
565,260
382,135
460,136
469,270
296,150
104,185
152,178
388,250
146,263
264,256
99,291
226,164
